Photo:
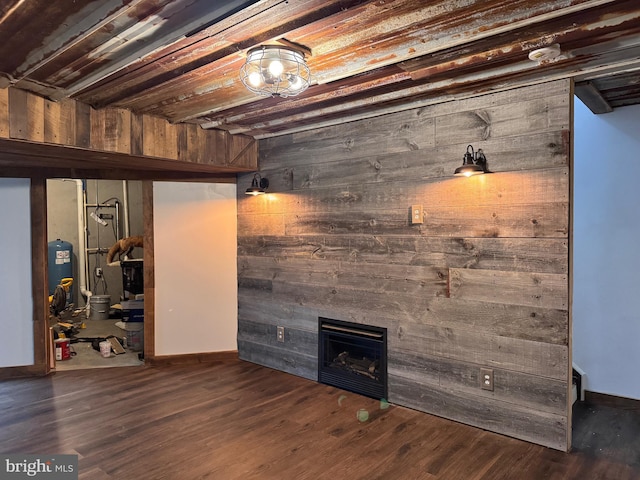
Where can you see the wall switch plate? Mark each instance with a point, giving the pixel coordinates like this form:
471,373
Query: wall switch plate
280,334
486,379
417,214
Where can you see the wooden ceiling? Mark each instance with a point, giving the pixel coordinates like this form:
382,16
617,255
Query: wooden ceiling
179,59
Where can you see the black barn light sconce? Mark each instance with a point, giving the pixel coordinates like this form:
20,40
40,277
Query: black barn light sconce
258,186
473,163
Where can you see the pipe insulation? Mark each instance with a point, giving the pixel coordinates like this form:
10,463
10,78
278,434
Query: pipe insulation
82,238
125,205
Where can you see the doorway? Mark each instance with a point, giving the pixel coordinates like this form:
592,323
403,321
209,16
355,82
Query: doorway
605,326
85,220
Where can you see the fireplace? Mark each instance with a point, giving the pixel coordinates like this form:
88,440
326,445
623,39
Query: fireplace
353,357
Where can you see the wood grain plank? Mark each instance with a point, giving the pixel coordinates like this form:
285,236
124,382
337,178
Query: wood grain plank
154,136
148,270
283,359
137,134
512,254
520,118
404,132
542,394
515,288
60,122
538,324
525,356
183,132
111,130
40,285
35,118
4,113
538,221
413,280
83,125
560,89
524,423
302,315
241,149
18,114
261,224
303,342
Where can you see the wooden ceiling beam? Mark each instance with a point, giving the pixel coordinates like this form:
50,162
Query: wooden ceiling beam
592,98
26,154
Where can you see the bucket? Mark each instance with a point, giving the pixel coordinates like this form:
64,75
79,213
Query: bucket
135,339
63,350
99,307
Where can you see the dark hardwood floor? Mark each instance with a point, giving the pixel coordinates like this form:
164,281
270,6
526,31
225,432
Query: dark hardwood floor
237,420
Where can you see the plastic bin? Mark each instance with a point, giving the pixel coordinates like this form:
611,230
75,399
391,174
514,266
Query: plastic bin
135,340
132,310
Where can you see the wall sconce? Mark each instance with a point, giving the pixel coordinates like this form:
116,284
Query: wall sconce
258,186
473,163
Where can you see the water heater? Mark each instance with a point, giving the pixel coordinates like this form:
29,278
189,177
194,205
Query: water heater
60,264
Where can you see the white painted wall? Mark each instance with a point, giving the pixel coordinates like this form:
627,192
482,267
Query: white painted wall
16,317
195,241
606,264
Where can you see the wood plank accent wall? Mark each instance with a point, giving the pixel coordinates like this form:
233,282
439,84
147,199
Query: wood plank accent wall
483,282
28,117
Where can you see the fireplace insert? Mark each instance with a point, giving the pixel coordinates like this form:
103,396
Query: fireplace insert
353,357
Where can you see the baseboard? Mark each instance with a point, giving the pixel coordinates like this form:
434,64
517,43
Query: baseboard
191,358
23,372
612,400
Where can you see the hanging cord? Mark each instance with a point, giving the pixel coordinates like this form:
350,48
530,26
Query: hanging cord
100,279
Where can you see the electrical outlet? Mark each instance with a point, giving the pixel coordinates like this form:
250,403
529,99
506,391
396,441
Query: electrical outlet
280,334
98,272
486,379
416,214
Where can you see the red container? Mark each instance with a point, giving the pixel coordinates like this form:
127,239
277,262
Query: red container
63,350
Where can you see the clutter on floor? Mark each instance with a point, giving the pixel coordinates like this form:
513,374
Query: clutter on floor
114,336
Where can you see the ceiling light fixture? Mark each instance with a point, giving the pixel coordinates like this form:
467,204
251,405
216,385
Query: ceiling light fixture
275,71
258,186
473,163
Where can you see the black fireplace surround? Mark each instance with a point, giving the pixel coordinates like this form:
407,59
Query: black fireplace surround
353,357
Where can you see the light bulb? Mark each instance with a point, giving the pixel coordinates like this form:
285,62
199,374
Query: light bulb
295,82
468,174
276,68
255,79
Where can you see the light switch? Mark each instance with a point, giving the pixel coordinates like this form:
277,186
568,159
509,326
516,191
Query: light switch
417,214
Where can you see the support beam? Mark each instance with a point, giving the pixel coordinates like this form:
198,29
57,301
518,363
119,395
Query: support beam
39,133
592,98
